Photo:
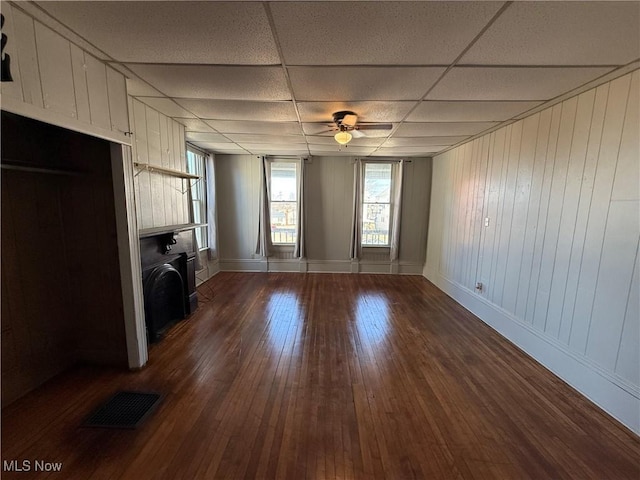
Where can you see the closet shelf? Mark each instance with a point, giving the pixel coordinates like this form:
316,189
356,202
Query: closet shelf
168,171
150,232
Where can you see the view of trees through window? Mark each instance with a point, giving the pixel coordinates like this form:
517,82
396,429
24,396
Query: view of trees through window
376,204
284,204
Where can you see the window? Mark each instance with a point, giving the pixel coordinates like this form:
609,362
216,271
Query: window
195,166
376,205
284,203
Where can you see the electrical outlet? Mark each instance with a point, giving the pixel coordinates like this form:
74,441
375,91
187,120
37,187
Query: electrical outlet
486,221
479,286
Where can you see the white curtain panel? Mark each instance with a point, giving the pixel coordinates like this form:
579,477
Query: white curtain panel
398,169
356,214
299,247
264,244
212,209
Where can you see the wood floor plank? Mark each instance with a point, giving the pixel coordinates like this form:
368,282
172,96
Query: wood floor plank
325,376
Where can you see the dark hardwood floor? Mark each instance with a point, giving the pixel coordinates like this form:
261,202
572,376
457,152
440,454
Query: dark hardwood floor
322,376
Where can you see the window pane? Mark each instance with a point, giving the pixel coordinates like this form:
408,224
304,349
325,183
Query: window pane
201,237
283,182
377,182
195,165
284,206
283,222
375,224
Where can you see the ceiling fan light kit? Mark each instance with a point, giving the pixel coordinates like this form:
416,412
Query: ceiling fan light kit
343,137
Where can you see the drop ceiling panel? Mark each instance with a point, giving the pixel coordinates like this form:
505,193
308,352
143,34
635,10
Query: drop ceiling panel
377,33
357,142
418,142
561,33
206,137
442,129
240,110
220,147
433,111
266,139
194,125
504,83
407,151
366,111
397,141
167,107
264,128
173,32
325,150
276,149
216,82
362,83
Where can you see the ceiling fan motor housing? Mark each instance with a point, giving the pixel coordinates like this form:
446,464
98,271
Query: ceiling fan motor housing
338,117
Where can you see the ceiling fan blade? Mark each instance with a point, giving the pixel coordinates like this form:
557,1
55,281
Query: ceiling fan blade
357,133
374,126
350,120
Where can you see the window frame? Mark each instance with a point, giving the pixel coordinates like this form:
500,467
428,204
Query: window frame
199,184
271,201
363,203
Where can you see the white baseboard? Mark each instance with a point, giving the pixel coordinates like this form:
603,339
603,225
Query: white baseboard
611,393
319,266
242,265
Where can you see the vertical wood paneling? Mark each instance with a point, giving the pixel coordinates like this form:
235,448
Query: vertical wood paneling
28,58
502,141
614,279
605,172
161,199
490,211
561,249
533,210
510,169
625,186
569,210
536,263
478,211
80,84
628,361
11,89
520,212
117,91
584,206
98,93
69,87
155,178
142,156
179,163
554,213
54,61
134,156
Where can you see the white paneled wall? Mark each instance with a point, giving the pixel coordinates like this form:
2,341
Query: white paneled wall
558,260
57,82
161,198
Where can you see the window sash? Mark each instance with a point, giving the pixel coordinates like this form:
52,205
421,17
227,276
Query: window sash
284,221
196,166
372,237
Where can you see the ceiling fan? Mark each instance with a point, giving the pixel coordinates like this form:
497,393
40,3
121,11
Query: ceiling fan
347,126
